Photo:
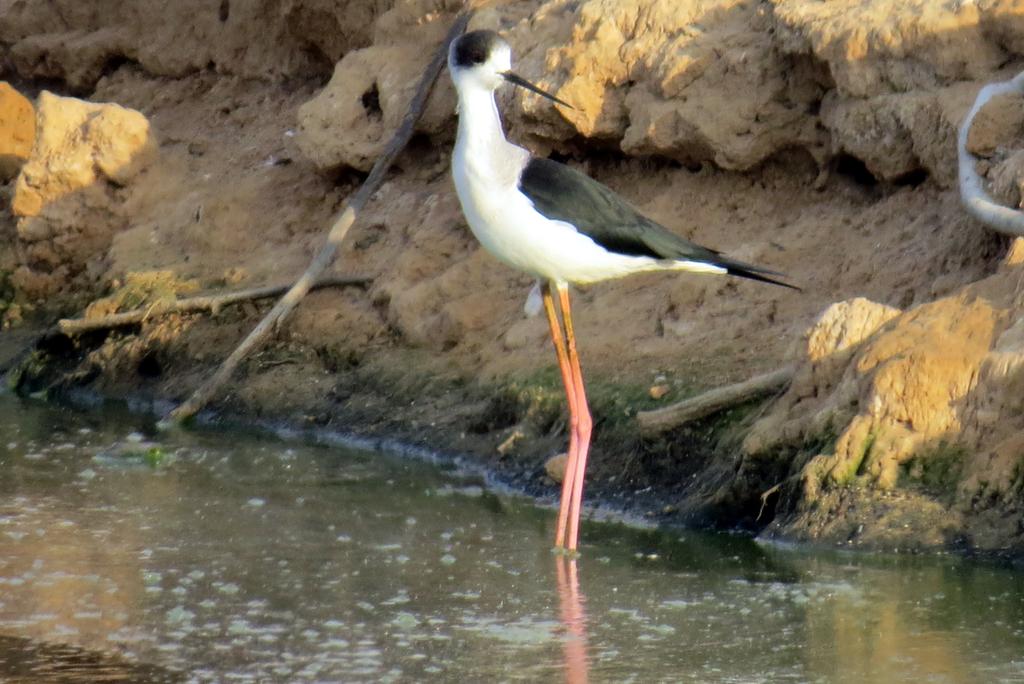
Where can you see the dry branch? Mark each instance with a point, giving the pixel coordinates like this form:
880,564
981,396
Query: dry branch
979,203
694,408
213,303
337,234
774,489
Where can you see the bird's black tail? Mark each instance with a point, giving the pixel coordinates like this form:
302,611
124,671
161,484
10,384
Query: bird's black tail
742,270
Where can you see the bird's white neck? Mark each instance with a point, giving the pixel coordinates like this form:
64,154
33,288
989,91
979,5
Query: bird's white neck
480,126
481,150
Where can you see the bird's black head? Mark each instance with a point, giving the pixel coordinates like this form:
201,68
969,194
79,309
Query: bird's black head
483,60
474,48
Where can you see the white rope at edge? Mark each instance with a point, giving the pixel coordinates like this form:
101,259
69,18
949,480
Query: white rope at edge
979,203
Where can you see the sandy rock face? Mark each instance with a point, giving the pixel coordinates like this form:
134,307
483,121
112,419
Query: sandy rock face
262,39
993,418
929,398
896,103
920,44
693,81
348,123
67,196
733,82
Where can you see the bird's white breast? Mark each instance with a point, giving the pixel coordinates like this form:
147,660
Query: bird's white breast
508,226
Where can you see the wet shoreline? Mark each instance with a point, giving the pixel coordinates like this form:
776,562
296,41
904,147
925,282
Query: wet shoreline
514,479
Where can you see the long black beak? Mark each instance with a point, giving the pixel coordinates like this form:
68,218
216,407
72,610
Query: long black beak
523,83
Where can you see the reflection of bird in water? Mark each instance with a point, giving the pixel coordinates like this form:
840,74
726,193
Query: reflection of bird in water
574,620
557,224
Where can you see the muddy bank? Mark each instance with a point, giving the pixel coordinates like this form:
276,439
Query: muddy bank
780,133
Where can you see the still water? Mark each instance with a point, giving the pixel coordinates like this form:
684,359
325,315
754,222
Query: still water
222,557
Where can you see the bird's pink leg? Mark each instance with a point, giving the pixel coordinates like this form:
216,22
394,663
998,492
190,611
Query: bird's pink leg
583,425
567,380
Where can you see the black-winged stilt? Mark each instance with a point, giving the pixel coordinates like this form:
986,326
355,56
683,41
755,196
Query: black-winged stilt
556,224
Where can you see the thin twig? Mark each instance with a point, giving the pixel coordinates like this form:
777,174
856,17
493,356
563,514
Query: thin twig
694,408
979,203
340,228
213,303
764,498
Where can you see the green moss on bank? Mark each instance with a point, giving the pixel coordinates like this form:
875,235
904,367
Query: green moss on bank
936,469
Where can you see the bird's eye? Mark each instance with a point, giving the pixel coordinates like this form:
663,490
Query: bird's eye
471,55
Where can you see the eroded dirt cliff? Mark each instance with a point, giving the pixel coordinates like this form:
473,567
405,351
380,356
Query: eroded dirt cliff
816,138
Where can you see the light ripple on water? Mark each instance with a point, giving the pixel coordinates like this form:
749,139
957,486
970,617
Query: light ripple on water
524,631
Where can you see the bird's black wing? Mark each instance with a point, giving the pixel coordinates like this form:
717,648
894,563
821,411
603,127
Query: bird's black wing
564,194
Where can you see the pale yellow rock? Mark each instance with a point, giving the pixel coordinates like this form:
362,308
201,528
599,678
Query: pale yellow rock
912,377
821,392
78,144
66,197
17,131
944,380
845,325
